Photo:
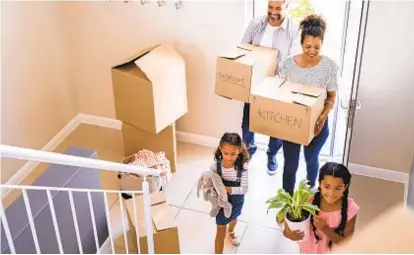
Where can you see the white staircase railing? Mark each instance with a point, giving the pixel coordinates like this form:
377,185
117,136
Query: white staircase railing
7,151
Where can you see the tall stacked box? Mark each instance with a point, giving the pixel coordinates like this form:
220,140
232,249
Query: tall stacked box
150,95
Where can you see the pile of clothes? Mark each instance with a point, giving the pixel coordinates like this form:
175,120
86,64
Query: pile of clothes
149,159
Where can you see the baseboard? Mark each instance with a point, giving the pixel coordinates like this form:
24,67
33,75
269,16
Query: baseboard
100,121
197,139
21,174
379,173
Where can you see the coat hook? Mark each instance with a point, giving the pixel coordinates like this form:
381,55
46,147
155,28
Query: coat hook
143,2
161,3
179,4
126,1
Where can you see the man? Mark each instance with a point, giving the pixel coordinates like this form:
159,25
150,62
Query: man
277,31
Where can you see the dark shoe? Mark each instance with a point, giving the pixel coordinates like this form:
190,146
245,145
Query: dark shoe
252,151
271,165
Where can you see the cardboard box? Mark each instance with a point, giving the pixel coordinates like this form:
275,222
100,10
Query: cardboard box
150,89
136,139
389,233
242,68
286,110
165,231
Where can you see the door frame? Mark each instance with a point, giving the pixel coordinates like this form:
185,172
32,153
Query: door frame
353,97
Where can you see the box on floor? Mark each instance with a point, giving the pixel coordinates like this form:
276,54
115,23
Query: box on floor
136,139
150,91
243,67
165,230
286,110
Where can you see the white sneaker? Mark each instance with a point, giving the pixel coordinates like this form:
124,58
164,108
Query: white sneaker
234,239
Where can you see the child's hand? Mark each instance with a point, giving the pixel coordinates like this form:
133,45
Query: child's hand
295,235
228,189
319,222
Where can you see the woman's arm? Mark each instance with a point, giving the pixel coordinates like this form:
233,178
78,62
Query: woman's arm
329,103
331,87
348,232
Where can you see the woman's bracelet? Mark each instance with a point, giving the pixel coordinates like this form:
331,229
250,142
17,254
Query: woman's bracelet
329,102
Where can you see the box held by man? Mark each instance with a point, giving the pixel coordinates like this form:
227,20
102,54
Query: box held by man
243,67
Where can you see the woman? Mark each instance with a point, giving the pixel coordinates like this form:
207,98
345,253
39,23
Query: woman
313,69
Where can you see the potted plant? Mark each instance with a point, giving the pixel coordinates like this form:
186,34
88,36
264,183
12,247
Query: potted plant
296,209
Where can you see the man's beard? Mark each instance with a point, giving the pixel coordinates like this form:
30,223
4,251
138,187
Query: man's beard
274,17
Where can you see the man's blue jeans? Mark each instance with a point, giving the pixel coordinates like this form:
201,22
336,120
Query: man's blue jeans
248,137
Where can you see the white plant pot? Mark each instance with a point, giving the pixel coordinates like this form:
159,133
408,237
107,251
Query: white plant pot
303,226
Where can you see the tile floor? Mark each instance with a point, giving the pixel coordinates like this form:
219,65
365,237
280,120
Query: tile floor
257,229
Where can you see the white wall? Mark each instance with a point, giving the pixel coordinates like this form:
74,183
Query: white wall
37,99
103,33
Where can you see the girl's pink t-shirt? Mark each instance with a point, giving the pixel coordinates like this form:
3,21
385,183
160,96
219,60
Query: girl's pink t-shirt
332,219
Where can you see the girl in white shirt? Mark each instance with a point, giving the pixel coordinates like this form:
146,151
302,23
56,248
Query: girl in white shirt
231,159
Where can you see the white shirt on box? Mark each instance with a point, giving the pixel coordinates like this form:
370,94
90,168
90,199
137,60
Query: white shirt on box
267,39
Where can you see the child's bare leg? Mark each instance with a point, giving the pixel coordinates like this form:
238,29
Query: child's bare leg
220,236
232,226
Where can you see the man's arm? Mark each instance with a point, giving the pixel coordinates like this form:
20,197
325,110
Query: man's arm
295,47
248,34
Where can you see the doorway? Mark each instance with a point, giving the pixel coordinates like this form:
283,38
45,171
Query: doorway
343,20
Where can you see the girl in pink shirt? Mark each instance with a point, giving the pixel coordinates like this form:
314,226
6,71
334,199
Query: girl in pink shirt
337,216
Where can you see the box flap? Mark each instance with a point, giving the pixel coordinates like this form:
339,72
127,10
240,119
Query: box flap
162,218
247,46
161,215
136,56
160,63
157,198
269,88
235,53
307,90
304,99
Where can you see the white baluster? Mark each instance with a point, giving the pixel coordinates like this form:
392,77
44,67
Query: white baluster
31,222
123,222
108,222
75,221
134,204
54,219
95,232
148,217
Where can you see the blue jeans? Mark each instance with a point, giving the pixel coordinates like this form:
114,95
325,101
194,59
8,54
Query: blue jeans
248,137
291,152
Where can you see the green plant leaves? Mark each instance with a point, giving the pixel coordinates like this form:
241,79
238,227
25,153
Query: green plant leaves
312,209
293,205
282,213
